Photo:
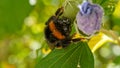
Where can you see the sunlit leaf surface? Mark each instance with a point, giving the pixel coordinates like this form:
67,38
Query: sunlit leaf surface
76,55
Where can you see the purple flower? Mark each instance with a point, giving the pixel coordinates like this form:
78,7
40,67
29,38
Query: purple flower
89,18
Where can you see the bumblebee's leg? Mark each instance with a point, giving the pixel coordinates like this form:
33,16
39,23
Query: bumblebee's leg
58,45
57,14
59,11
62,43
66,42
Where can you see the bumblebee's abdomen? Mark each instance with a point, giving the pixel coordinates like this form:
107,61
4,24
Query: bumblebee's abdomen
48,35
55,31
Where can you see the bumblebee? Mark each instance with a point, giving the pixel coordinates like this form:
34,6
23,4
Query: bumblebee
58,29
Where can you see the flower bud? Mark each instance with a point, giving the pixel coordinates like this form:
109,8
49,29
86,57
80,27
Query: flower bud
89,18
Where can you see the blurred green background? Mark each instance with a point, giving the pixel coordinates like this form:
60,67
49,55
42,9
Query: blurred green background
22,40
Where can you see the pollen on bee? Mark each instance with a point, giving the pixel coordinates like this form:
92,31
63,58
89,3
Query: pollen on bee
77,37
46,51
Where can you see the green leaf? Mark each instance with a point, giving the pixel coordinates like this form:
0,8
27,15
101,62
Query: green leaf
108,5
117,60
73,56
12,15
